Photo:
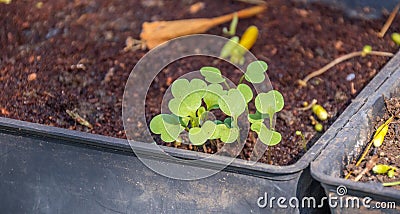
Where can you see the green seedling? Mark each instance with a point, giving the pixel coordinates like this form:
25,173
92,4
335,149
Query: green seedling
385,169
236,49
389,184
396,38
381,132
232,27
303,139
189,114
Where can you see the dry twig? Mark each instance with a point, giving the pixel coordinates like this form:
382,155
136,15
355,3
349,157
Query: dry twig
370,164
389,21
338,60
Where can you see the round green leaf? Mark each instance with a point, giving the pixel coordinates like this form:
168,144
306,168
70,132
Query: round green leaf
212,95
168,126
186,106
267,136
197,86
270,102
198,136
212,75
256,127
180,88
229,135
255,71
208,128
246,92
233,104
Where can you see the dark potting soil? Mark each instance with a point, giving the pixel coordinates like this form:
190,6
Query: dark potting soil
388,153
68,55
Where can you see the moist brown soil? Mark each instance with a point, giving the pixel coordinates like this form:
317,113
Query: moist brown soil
389,152
54,41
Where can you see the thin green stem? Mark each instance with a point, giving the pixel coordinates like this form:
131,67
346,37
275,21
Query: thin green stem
236,126
270,122
226,84
389,184
241,79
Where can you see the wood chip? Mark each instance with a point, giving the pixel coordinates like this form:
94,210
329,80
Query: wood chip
196,7
4,111
368,167
79,119
32,77
352,88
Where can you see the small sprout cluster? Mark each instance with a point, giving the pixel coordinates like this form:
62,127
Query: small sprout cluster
385,169
232,27
303,139
190,114
319,111
236,48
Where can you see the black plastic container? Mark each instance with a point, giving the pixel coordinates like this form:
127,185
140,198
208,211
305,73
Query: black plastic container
352,138
49,170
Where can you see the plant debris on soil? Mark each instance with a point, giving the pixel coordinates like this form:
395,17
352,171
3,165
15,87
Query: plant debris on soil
69,55
388,153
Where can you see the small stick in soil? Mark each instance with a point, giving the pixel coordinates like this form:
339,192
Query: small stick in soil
352,88
389,21
309,106
132,44
370,164
79,119
338,60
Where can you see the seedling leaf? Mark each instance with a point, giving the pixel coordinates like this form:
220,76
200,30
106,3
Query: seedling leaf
168,126
270,102
246,92
228,122
198,136
212,95
255,71
267,136
212,75
257,117
228,135
233,104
